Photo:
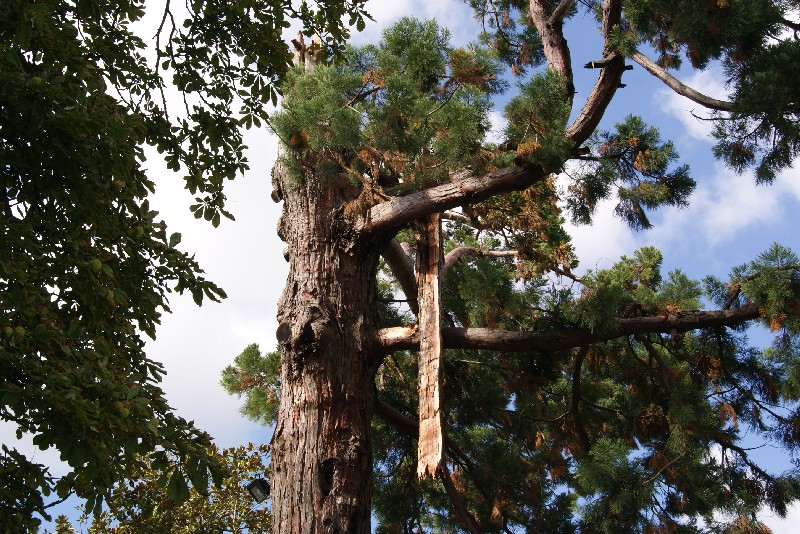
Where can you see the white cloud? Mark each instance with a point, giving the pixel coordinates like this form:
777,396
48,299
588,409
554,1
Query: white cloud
455,16
603,242
498,127
781,525
245,258
600,244
723,207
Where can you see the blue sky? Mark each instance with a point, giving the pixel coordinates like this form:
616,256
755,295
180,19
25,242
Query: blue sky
729,221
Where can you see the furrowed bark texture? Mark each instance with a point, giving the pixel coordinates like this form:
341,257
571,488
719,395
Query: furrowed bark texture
429,449
321,451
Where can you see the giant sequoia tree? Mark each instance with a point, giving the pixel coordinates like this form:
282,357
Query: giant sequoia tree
521,395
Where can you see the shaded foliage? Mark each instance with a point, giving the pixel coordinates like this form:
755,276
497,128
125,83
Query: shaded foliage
142,505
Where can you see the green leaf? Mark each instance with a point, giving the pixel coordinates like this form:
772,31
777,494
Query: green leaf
198,475
178,489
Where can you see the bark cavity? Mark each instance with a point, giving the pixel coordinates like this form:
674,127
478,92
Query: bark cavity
327,473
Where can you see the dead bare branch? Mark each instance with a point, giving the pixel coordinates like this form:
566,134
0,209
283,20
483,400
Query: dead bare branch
679,87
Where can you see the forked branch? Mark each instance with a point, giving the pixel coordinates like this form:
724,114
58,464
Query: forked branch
607,82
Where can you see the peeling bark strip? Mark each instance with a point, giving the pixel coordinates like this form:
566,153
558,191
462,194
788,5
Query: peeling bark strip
429,449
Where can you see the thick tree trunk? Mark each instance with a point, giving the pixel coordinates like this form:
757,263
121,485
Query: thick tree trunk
321,451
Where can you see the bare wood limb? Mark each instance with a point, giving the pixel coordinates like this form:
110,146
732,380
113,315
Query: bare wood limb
607,82
456,217
463,189
410,427
403,338
455,256
678,86
430,448
402,267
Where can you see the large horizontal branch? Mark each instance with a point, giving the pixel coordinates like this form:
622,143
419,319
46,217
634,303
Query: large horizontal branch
406,338
678,86
394,213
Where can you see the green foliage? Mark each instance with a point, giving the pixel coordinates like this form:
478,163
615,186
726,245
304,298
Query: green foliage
704,31
87,266
537,116
772,281
609,469
635,286
639,432
141,505
257,377
635,161
627,430
764,128
401,115
506,30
